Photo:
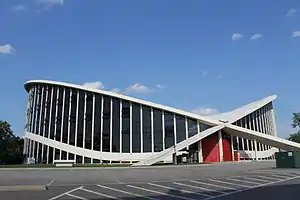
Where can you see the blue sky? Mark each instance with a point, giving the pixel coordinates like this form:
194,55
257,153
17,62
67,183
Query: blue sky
204,55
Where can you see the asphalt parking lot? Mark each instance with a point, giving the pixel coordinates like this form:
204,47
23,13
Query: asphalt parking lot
221,182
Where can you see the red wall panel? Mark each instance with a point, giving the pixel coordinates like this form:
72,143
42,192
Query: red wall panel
227,156
210,148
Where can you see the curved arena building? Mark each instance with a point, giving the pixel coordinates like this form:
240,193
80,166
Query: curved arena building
71,122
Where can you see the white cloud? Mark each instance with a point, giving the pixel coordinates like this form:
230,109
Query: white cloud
94,85
205,111
296,34
7,49
204,73
116,90
19,7
237,36
159,86
137,88
51,3
291,12
256,36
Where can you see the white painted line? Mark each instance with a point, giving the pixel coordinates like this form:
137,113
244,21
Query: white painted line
197,187
256,179
270,178
181,190
124,192
162,193
65,193
246,189
287,174
279,176
51,182
98,193
76,197
219,186
236,184
274,171
238,180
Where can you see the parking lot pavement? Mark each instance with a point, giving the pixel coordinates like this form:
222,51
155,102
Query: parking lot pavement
219,188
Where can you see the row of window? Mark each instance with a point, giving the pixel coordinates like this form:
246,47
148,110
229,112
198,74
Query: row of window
103,123
261,120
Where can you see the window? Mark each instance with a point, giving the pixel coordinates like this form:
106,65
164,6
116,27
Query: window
169,129
53,113
73,116
78,159
157,123
106,124
125,127
48,111
116,125
45,154
204,127
192,127
59,113
88,120
240,144
43,111
180,128
66,116
97,122
38,110
34,110
50,158
234,140
80,118
147,138
39,160
136,128
245,144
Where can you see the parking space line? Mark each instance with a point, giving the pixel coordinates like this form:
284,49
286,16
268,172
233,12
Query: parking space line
197,187
287,174
219,186
181,190
255,179
238,180
161,193
125,192
249,188
65,193
270,178
76,197
224,182
98,193
279,176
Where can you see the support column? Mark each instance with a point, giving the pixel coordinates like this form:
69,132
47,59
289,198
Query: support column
163,129
141,128
130,129
255,149
111,126
220,146
232,150
152,131
69,121
186,131
121,126
55,120
200,155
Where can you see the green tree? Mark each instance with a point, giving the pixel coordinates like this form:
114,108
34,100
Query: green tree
11,146
295,137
